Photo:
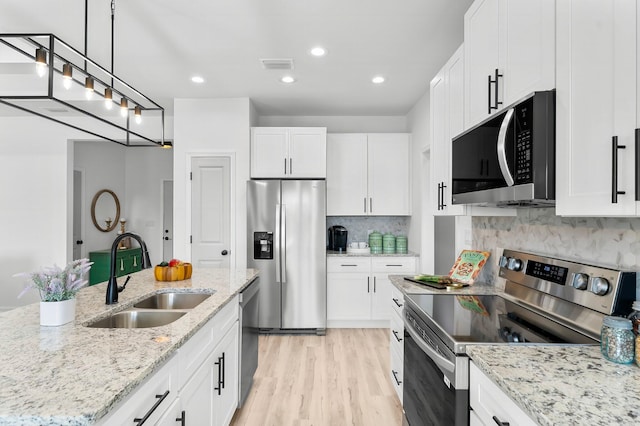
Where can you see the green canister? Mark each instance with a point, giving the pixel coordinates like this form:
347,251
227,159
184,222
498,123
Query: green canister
375,242
388,244
401,244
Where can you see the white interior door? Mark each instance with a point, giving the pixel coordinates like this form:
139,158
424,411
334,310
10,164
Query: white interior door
210,212
167,219
77,215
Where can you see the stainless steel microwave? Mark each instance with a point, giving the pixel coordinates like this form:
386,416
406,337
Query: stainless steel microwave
508,160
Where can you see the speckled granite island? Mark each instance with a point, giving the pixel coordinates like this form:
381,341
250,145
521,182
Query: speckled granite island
72,374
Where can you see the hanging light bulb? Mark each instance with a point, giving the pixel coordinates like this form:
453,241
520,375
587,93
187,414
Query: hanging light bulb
67,76
124,107
88,86
137,112
41,62
108,98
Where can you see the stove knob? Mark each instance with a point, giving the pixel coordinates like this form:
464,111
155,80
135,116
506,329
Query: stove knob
503,261
600,286
580,281
514,264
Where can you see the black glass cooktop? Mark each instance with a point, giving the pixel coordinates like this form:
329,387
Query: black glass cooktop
464,319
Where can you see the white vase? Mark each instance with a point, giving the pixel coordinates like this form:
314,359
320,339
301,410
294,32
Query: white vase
57,313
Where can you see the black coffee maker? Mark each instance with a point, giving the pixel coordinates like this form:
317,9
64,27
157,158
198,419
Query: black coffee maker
337,238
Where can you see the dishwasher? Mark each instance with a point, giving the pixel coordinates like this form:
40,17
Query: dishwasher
249,338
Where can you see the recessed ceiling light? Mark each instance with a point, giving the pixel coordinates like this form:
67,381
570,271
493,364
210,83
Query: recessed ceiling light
288,79
377,79
197,79
318,51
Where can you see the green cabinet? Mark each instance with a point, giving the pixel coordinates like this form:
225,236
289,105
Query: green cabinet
127,262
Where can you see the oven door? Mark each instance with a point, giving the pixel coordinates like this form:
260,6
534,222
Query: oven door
429,395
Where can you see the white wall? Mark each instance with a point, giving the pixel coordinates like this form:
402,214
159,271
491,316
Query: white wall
421,228
36,195
211,127
340,124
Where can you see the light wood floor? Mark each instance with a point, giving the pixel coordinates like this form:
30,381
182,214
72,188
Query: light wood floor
338,379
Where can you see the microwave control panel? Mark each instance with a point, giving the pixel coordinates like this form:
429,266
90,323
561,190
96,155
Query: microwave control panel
523,149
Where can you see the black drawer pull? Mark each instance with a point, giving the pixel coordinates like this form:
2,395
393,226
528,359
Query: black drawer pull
392,265
498,422
395,333
397,302
219,387
161,398
395,376
182,419
342,264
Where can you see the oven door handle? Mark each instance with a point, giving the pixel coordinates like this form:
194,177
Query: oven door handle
440,361
502,153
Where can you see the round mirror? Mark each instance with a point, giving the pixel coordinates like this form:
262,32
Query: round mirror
105,210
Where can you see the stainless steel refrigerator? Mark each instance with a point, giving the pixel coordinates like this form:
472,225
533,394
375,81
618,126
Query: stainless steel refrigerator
287,243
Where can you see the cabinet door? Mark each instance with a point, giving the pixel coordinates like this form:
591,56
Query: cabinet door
389,172
527,47
438,108
595,103
380,296
197,395
347,174
226,376
481,57
307,152
269,152
348,296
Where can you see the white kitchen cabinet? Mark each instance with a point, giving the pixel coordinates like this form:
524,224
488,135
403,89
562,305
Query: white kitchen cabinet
490,405
447,121
396,342
368,174
509,52
226,375
359,290
288,152
596,106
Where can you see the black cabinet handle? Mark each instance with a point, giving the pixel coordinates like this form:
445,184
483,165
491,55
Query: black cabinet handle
614,169
140,421
223,368
439,195
495,83
395,333
370,204
488,94
365,204
443,188
496,89
219,364
374,284
498,422
285,166
637,164
290,166
368,289
395,376
182,419
397,302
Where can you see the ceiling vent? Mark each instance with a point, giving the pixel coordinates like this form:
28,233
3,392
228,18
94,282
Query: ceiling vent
277,64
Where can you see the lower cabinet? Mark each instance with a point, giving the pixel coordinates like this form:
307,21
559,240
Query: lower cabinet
198,385
396,342
490,405
359,290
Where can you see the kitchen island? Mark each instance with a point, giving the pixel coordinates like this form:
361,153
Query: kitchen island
73,374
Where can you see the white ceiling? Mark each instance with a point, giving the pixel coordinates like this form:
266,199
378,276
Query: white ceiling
160,44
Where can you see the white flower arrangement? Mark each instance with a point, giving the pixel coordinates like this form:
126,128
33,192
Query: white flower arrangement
56,284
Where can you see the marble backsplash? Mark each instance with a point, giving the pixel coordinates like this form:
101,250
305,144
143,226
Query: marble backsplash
613,242
358,227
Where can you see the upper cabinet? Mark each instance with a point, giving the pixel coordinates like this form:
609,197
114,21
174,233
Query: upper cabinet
288,152
509,52
597,108
368,174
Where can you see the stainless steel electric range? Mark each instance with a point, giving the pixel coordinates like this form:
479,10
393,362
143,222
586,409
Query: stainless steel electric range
546,301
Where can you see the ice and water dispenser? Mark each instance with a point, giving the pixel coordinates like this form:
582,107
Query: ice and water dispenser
263,245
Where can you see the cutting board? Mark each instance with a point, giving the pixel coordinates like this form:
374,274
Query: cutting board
436,285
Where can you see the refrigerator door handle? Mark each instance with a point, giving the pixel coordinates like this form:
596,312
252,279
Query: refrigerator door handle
276,251
284,244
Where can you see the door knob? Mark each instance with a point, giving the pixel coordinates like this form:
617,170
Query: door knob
166,238
79,242
224,252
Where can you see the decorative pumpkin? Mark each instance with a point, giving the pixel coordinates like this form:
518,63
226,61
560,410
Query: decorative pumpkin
173,273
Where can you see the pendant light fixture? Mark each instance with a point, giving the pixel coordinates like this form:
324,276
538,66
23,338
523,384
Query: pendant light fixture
58,65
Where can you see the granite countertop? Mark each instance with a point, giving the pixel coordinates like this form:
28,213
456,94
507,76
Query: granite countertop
72,374
558,385
332,253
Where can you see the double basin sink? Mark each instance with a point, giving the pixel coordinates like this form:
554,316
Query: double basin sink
154,311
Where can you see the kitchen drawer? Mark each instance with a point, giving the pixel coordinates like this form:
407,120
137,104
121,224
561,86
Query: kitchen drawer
349,264
396,332
396,370
394,265
397,300
491,404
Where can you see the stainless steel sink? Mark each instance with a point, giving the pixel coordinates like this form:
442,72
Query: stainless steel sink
173,301
138,319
